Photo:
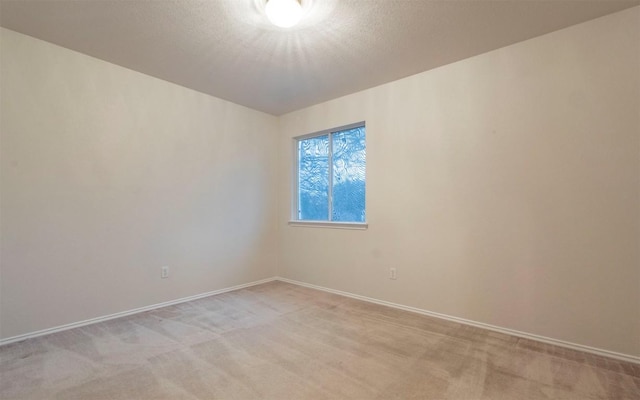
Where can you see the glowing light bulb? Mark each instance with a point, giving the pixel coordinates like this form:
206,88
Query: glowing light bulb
283,13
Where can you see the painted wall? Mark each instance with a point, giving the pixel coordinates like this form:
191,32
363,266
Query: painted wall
108,174
504,188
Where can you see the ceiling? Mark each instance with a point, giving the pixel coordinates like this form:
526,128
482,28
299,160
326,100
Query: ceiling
228,49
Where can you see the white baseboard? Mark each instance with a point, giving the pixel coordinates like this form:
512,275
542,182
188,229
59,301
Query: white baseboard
65,327
512,332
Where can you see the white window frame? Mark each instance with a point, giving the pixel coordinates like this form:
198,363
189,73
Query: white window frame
295,195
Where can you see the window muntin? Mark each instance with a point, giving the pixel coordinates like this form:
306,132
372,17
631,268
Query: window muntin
331,175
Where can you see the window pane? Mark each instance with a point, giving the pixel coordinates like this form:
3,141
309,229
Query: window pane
313,178
349,167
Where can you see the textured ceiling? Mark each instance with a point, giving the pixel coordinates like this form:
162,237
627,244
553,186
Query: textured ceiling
228,49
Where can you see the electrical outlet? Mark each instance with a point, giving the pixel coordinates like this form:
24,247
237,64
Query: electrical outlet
393,274
164,272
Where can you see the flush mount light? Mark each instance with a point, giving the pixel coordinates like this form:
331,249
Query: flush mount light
283,13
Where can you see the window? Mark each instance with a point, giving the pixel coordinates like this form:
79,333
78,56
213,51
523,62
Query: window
331,168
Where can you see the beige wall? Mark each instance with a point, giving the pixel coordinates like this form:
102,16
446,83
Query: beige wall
504,188
108,174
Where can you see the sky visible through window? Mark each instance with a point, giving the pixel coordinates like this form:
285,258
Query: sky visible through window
340,196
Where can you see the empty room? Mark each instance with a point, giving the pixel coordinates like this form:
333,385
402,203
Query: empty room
319,199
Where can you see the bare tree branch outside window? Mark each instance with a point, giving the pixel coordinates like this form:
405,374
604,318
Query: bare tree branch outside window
348,169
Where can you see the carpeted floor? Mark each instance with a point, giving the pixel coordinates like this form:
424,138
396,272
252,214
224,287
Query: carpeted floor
281,341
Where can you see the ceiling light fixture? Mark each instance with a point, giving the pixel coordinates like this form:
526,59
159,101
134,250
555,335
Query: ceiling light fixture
283,13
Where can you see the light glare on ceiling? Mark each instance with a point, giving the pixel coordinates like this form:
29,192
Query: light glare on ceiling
283,13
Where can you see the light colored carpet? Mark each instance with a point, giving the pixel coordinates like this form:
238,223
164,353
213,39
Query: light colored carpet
282,341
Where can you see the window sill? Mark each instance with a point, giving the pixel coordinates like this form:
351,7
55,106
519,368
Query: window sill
329,224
